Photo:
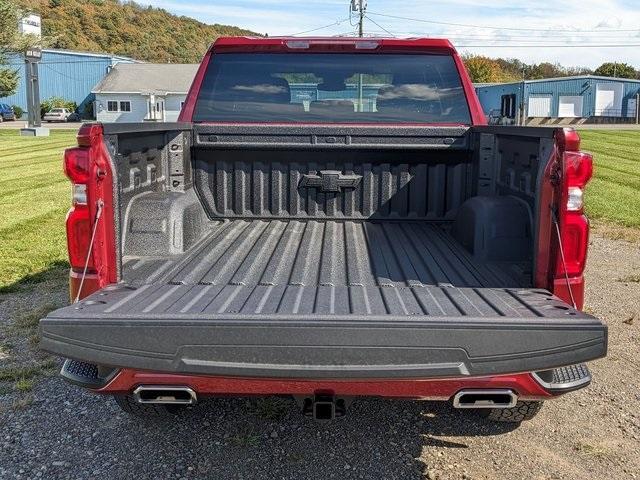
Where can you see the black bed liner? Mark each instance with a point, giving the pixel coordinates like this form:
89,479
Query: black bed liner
324,299
329,253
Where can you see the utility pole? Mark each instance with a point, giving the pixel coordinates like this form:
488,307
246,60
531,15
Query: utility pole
359,6
521,115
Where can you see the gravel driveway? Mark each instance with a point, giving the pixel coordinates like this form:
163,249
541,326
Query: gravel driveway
54,430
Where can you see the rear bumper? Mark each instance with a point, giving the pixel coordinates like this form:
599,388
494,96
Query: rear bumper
526,386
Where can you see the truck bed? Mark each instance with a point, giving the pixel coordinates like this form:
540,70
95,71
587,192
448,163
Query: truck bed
324,299
312,254
347,267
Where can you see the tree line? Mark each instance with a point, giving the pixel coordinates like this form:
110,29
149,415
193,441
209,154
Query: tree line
494,70
125,28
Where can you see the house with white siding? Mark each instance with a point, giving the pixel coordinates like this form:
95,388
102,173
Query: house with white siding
143,92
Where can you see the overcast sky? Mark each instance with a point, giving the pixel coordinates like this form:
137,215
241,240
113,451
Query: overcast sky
490,27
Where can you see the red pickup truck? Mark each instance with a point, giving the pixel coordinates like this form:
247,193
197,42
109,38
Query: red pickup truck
330,218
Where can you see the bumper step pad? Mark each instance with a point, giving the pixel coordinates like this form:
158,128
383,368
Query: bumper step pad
564,379
86,374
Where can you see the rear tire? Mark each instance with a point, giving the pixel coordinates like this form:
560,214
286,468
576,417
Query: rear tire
521,412
129,405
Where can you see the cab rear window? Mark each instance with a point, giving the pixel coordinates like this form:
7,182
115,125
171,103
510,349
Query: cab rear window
332,88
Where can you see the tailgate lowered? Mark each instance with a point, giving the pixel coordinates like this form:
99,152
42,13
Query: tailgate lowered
325,331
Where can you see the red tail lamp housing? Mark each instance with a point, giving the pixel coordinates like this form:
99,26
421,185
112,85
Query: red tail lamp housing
88,168
574,225
577,170
76,164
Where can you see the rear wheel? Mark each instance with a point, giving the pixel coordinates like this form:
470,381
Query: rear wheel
131,406
521,412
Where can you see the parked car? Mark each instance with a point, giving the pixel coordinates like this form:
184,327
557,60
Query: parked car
57,115
6,112
392,245
74,117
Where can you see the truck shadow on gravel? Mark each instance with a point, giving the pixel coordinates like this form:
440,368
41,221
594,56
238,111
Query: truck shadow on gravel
72,433
377,439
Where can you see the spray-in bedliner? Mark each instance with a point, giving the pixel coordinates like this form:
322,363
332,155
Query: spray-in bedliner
330,299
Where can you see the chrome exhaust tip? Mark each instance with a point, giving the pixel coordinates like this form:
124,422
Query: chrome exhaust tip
495,398
166,395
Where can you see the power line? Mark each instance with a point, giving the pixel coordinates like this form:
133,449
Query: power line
490,38
519,37
500,28
554,46
504,43
378,25
70,77
337,22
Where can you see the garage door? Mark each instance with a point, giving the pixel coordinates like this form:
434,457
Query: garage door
539,106
570,106
609,99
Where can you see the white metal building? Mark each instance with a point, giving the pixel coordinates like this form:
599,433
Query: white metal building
143,92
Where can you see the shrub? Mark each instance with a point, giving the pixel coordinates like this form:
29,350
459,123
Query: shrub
56,102
18,111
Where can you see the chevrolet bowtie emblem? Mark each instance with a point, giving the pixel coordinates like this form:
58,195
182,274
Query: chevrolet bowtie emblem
330,180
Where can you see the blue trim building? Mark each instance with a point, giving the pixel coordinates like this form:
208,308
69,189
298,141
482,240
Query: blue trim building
67,74
577,99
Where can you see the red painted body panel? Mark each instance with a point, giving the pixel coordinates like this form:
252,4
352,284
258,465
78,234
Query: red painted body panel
324,44
547,248
190,102
442,389
99,184
91,284
561,290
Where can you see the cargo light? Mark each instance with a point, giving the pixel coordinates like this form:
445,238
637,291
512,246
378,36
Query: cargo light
297,44
367,45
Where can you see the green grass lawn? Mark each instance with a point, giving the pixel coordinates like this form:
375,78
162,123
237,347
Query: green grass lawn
34,199
35,195
614,192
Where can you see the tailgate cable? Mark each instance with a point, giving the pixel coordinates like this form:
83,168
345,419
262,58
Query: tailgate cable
99,204
554,217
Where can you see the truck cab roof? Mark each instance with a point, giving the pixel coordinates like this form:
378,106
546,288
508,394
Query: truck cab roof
345,44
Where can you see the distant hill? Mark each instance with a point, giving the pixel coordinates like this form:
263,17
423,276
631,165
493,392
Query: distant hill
126,28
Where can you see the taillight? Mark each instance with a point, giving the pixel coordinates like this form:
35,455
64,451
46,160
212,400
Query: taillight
76,164
577,169
78,237
78,169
